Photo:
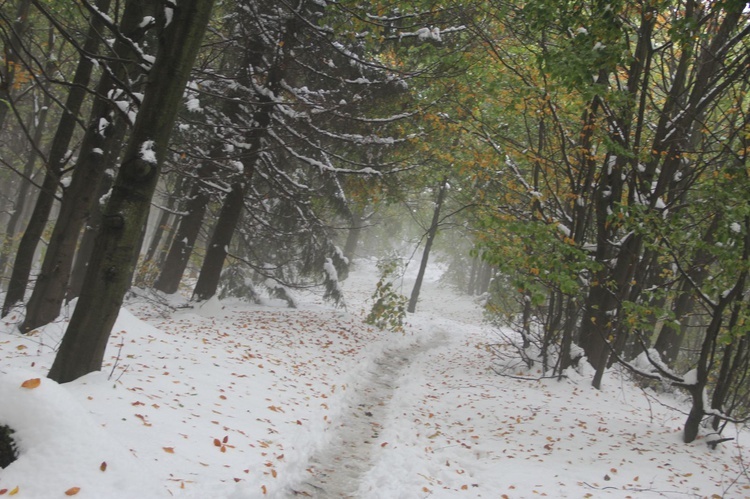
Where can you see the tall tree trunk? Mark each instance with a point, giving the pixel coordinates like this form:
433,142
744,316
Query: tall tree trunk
216,253
471,287
86,248
231,210
671,335
163,224
55,161
734,369
187,230
355,231
431,233
12,49
25,185
117,247
485,277
52,281
733,300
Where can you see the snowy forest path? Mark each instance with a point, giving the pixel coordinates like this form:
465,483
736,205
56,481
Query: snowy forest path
336,470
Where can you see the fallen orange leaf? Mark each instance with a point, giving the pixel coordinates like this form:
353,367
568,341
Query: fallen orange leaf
168,450
31,383
72,491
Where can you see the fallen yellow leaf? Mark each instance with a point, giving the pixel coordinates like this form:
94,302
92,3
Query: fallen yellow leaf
31,383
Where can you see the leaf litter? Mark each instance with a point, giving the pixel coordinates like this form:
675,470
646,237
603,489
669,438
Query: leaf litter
233,400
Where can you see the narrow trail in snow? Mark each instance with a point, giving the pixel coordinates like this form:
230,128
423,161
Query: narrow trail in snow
336,470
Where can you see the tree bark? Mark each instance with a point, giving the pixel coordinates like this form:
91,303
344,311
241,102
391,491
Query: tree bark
56,160
163,224
431,233
13,48
187,232
216,253
25,186
117,247
52,281
355,231
231,210
86,247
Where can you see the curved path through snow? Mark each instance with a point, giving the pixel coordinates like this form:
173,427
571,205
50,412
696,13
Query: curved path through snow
336,470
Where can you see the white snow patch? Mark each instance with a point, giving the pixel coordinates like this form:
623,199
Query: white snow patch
147,153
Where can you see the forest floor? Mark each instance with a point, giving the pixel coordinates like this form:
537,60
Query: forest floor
238,400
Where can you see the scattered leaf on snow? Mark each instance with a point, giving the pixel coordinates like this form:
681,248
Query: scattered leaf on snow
72,491
103,466
31,383
168,450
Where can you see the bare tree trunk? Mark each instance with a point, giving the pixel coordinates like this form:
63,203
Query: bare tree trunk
231,210
25,186
187,231
216,253
86,247
162,225
57,157
352,238
431,233
13,47
117,247
52,281
732,298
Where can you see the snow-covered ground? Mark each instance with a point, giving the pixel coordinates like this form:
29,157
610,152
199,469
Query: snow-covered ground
233,400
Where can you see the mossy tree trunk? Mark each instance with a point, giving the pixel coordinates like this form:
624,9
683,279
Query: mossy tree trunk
118,244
